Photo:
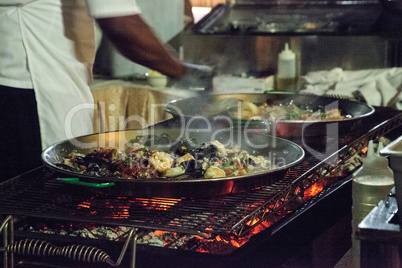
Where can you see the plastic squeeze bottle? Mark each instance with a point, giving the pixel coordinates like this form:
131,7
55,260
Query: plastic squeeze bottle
286,75
371,184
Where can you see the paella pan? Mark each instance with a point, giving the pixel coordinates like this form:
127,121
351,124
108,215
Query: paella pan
280,153
220,107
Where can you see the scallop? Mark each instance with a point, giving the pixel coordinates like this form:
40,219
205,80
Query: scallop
214,172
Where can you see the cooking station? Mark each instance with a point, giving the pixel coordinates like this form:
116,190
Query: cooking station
245,37
269,225
297,215
297,18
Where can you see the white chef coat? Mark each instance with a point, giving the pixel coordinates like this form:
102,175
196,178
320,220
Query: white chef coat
49,45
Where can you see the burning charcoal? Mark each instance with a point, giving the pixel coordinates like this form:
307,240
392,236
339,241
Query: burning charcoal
177,244
63,232
169,237
295,203
104,231
146,238
85,234
192,243
156,242
152,240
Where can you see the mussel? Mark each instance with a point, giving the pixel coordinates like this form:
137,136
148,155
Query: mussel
205,151
193,168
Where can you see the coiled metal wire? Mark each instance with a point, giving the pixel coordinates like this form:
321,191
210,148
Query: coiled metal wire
40,248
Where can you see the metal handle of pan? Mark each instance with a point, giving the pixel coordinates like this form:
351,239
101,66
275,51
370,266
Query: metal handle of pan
76,181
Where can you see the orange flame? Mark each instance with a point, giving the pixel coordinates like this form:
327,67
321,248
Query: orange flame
313,190
157,232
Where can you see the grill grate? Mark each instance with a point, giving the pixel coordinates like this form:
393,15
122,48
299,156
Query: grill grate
38,194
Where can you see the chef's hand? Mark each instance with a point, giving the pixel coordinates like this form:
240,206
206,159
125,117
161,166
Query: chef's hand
198,77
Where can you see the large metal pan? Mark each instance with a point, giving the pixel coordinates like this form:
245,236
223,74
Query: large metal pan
280,151
200,107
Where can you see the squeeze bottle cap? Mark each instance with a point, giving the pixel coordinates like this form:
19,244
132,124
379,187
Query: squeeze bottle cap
380,147
374,161
287,54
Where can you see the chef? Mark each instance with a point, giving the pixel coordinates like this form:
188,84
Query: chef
46,55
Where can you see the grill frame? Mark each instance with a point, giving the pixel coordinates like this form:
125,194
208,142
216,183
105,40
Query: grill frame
273,239
229,214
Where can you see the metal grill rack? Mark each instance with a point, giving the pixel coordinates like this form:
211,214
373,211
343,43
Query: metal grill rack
278,204
38,195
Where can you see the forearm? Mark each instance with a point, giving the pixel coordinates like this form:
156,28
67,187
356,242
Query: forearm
136,41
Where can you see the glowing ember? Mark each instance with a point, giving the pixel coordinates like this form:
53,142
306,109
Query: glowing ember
120,207
318,187
157,232
313,190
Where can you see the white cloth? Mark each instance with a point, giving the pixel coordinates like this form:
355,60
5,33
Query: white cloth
14,2
375,86
13,56
49,45
112,8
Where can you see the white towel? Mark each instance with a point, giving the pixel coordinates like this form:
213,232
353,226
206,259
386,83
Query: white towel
374,86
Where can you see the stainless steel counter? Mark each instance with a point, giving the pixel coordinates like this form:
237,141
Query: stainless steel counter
380,236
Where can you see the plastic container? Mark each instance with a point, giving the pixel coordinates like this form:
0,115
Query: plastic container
286,75
156,79
371,184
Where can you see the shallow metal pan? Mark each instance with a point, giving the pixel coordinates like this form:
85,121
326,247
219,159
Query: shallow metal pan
280,151
196,107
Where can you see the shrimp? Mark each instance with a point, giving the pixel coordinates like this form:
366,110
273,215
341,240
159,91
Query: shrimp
161,161
184,158
214,172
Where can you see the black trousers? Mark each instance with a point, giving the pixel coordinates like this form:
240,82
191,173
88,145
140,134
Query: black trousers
20,142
